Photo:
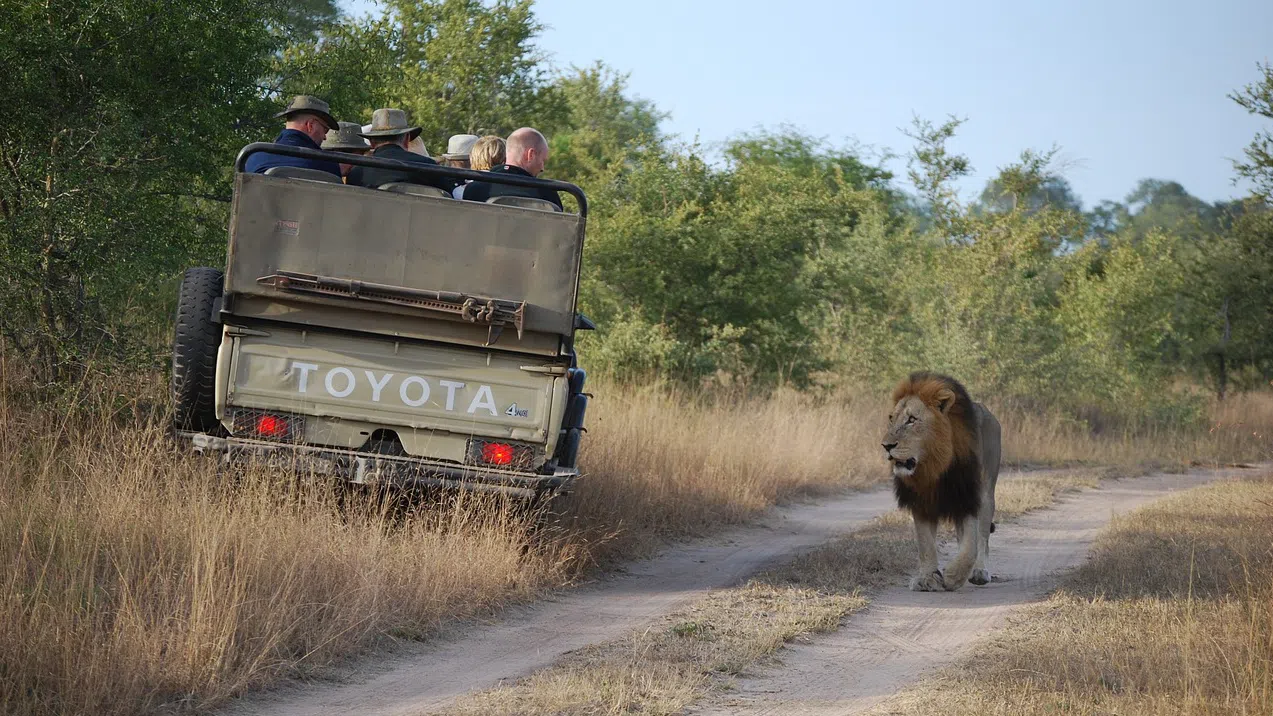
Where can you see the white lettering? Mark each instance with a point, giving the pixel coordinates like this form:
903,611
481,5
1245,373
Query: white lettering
424,391
304,368
450,386
377,387
331,388
483,399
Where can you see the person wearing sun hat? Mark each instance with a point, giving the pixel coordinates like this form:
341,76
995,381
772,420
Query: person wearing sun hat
346,140
306,122
458,148
389,134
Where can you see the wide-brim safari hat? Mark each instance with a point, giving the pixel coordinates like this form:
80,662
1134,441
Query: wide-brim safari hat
389,122
459,146
345,138
303,103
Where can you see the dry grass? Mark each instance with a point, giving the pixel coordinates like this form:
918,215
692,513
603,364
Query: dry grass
1173,615
1019,493
662,465
139,580
1240,428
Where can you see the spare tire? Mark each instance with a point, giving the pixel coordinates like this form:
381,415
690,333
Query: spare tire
194,350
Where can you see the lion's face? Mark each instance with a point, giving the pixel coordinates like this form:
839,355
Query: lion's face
918,435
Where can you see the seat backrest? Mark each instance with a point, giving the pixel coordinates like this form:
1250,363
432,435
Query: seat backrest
303,173
526,202
414,189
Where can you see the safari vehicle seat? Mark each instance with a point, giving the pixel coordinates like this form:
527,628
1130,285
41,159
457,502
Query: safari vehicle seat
526,202
414,189
302,173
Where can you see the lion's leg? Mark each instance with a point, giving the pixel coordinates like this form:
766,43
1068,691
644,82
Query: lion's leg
981,567
961,566
927,577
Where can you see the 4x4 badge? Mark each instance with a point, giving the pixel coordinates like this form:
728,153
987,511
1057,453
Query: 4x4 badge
516,412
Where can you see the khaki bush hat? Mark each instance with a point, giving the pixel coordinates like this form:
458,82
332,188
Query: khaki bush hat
459,146
347,137
389,122
310,105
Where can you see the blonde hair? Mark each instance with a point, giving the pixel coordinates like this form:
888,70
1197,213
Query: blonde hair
487,152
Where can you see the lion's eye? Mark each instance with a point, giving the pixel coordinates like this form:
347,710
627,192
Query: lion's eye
910,419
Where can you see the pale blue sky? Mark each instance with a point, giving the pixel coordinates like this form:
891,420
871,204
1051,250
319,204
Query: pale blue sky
1128,90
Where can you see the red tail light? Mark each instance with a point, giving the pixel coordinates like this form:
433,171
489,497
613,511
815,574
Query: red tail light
497,453
271,426
508,455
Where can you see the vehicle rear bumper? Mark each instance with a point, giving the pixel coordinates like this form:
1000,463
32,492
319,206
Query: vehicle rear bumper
365,468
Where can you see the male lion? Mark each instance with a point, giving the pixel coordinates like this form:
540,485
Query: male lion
945,452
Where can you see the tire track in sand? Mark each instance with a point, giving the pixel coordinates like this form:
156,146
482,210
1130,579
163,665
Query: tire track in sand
903,635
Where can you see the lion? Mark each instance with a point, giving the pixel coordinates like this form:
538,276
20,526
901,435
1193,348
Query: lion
944,450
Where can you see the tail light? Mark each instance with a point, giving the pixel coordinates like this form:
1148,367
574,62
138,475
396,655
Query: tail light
268,426
502,453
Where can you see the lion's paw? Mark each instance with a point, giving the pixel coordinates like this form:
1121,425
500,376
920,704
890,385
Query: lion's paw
931,582
980,577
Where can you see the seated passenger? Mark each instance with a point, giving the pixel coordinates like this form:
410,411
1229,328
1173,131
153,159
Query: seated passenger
346,140
416,146
457,150
308,121
527,151
487,152
389,135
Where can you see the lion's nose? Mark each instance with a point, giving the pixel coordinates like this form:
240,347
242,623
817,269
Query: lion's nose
888,447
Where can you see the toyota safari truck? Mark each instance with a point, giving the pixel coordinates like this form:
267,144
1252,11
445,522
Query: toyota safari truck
388,335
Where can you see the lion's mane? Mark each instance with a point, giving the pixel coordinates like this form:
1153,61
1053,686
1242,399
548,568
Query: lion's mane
946,485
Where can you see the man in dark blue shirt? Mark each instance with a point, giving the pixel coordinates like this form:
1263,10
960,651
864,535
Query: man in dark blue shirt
308,119
526,152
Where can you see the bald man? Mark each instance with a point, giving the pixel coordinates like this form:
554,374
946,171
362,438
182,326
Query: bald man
525,151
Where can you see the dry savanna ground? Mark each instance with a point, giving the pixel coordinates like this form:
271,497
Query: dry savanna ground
694,652
140,580
1173,615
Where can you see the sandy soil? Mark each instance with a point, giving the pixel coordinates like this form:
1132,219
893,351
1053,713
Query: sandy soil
530,638
903,635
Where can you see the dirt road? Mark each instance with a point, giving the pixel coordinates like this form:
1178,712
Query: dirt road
903,635
534,637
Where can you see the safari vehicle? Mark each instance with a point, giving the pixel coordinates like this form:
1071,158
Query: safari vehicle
388,336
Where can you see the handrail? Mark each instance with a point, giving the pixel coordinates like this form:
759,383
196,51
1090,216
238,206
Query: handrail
427,170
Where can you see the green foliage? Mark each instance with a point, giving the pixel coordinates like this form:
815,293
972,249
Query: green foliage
126,113
790,260
603,131
1257,98
732,262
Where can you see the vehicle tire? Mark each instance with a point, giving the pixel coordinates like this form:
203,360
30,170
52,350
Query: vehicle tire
568,449
194,350
575,410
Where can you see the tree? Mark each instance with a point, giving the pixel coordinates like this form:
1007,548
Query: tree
1257,98
602,130
934,169
470,67
128,111
456,66
1030,185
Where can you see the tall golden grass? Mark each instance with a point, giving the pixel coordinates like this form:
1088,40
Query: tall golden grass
139,579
